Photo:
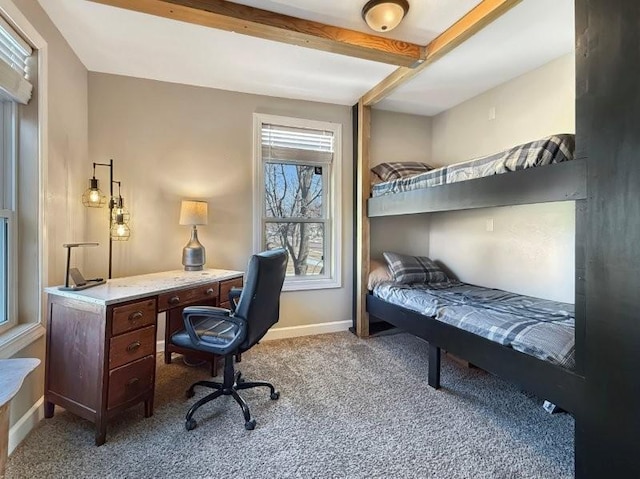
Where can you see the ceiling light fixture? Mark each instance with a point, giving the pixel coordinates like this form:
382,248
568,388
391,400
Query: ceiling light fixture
384,15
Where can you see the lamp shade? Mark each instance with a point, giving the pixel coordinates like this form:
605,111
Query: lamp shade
193,212
384,15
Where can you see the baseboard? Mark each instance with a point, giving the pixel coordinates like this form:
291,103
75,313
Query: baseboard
25,424
308,330
294,331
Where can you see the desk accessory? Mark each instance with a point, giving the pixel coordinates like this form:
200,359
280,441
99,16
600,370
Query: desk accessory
75,274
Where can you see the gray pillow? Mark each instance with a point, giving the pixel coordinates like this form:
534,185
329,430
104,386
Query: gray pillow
398,169
414,269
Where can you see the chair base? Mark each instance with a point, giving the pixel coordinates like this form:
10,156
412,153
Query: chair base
233,382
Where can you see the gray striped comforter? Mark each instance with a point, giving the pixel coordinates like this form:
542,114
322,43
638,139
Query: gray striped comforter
538,327
553,149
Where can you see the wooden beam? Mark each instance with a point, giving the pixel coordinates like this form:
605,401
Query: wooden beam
475,20
363,247
238,18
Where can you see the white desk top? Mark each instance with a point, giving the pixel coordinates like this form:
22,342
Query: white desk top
133,287
12,373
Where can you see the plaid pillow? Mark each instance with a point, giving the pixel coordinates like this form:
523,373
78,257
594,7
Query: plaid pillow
414,269
397,170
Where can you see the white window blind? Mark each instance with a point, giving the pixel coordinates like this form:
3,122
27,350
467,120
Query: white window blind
14,65
298,145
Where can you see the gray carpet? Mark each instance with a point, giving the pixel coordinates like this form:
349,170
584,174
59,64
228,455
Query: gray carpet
349,408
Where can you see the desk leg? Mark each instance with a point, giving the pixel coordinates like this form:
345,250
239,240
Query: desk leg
4,437
148,407
101,430
167,338
49,409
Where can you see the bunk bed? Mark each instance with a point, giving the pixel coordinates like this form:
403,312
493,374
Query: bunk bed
537,172
555,179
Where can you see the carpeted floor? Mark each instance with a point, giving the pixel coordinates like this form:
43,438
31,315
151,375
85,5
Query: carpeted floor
348,408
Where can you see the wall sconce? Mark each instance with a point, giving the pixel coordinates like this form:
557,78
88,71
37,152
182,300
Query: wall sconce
93,197
118,215
384,15
193,213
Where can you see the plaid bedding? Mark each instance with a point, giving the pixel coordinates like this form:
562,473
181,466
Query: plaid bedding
399,169
538,327
552,149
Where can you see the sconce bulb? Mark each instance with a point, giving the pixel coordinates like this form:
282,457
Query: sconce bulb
94,196
121,230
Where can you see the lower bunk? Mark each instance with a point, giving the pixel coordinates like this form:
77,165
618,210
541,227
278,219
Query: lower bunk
546,377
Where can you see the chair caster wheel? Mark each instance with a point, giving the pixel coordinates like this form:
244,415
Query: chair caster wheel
275,395
189,393
190,424
250,425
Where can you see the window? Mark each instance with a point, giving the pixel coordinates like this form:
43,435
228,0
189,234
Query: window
8,121
16,64
297,204
19,170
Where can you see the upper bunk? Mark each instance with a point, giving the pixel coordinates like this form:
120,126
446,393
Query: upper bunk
537,172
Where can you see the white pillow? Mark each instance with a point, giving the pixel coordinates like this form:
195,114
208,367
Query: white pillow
378,273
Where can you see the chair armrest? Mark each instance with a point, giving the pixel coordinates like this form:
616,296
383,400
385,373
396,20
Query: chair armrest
209,311
234,295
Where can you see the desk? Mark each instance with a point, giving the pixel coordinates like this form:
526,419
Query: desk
12,373
101,342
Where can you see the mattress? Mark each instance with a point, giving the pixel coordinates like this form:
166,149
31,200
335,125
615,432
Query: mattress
541,328
549,150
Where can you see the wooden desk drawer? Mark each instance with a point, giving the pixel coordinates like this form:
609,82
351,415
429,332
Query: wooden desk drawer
187,296
131,346
130,381
226,286
133,316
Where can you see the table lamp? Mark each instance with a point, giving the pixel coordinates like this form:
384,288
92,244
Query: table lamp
193,213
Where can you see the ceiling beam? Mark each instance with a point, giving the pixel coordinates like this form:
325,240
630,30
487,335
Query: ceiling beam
238,18
475,20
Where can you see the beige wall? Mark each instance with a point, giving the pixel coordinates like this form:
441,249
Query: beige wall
65,175
172,141
399,137
534,105
531,248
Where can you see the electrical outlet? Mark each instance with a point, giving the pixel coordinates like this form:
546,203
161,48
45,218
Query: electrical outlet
490,224
492,113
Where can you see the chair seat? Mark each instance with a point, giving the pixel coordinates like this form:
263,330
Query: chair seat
216,335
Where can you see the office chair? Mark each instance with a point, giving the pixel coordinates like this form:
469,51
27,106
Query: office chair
231,332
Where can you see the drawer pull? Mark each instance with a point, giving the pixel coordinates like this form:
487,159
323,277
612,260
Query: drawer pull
209,292
133,382
135,316
174,299
133,346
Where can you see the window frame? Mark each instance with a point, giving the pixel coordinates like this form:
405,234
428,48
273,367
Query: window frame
28,329
8,166
332,200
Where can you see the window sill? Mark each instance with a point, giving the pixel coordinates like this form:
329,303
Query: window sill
19,337
310,284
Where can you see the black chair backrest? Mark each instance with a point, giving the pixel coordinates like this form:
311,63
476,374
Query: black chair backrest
259,302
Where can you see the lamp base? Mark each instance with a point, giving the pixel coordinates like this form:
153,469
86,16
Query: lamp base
193,254
193,268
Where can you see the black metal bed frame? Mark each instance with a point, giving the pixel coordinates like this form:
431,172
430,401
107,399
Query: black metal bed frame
561,386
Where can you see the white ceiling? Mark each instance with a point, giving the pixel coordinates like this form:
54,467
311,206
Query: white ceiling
112,40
